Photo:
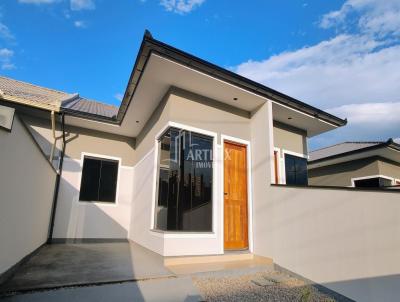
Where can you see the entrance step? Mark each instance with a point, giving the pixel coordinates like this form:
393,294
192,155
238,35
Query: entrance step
210,263
207,258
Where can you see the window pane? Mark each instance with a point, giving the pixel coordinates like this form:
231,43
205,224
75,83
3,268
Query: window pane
375,182
99,180
184,182
90,179
196,204
296,170
167,181
108,181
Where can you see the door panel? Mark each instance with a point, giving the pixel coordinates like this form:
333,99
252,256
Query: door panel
235,196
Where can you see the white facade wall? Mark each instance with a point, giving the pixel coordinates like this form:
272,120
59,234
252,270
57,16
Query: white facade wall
26,184
345,240
76,219
178,111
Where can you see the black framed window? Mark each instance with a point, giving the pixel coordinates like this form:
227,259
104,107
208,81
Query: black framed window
185,176
99,180
374,182
296,170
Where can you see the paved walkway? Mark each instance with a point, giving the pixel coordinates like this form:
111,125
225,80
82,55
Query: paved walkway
60,265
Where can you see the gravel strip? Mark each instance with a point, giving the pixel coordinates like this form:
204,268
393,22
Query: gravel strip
261,286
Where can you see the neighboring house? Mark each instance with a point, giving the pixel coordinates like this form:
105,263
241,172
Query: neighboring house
193,162
356,164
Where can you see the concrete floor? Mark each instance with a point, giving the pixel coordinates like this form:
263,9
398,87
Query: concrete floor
156,290
59,265
118,271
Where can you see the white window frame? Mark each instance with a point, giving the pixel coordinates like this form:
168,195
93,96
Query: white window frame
94,202
284,152
353,179
183,234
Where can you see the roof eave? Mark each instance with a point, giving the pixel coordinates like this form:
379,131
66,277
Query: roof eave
150,45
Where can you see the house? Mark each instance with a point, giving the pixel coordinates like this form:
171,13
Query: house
196,160
356,164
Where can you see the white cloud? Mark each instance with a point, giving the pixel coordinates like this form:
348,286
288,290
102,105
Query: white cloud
5,32
8,66
119,96
346,69
181,6
377,17
370,113
355,74
6,56
82,4
38,1
397,140
366,122
80,24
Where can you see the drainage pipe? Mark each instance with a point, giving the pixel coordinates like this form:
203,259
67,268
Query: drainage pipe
58,178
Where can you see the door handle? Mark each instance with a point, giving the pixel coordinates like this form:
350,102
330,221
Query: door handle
225,193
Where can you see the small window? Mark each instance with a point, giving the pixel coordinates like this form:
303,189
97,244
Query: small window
373,182
99,180
296,170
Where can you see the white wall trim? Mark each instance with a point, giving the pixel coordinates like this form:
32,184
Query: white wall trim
152,228
182,235
99,203
249,189
353,179
271,139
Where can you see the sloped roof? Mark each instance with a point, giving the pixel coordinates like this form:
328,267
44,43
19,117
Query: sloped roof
50,99
89,106
29,94
344,148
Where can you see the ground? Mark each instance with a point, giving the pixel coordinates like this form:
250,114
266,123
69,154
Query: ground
125,271
261,286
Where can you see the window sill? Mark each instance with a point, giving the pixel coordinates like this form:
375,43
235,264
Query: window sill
98,203
177,234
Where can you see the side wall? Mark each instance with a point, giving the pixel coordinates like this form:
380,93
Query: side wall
26,184
343,239
341,174
390,169
75,219
290,138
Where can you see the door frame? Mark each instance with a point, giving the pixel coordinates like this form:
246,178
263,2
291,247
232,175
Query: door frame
246,144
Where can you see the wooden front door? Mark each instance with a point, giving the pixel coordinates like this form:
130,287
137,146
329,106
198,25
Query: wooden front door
235,197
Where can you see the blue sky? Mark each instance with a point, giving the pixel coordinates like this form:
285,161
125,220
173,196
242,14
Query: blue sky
341,56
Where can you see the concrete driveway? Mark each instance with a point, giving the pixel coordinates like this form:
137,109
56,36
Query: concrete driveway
155,290
61,265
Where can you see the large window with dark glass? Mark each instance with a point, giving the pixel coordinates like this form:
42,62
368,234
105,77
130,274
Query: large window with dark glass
296,170
373,182
184,186
99,180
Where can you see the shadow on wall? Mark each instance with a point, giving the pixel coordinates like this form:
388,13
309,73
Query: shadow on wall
75,219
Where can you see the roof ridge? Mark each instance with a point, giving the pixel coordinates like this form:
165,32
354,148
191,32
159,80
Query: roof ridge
337,144
34,85
349,142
